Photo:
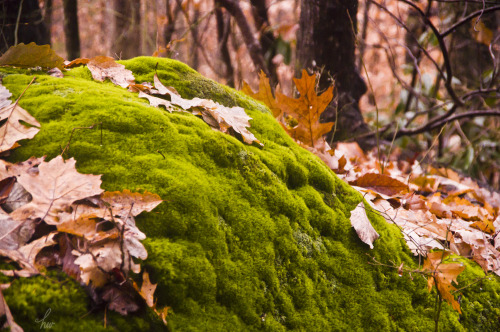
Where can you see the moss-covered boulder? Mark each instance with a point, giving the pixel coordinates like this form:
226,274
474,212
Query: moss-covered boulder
248,238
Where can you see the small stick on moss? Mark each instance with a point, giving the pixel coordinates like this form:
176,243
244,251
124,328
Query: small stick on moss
161,154
66,148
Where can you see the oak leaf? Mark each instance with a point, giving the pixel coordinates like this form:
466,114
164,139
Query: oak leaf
264,94
103,67
54,188
307,110
125,202
443,274
4,96
76,63
31,55
9,324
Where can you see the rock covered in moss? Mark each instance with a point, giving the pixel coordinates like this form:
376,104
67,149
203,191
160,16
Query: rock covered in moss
248,238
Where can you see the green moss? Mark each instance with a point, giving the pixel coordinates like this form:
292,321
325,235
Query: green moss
244,232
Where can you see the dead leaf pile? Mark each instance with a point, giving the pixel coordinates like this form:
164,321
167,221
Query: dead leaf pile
54,217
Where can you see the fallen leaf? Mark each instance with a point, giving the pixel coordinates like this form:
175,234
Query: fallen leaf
103,67
76,63
125,202
56,186
307,110
380,183
363,226
30,56
157,102
18,125
4,96
264,94
147,289
443,274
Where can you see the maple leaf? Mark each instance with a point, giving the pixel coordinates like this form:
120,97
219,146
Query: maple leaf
264,94
363,226
19,125
54,188
443,274
380,183
307,110
103,67
31,55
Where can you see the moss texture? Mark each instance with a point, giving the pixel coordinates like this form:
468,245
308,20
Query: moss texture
248,238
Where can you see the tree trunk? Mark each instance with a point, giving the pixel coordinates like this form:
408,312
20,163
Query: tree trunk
326,42
25,26
223,26
71,31
127,32
267,40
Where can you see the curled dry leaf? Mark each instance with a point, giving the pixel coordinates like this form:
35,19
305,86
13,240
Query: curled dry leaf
30,56
103,67
76,63
443,274
19,125
363,226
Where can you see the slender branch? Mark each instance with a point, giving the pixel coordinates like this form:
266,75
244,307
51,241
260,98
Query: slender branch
444,52
468,18
251,42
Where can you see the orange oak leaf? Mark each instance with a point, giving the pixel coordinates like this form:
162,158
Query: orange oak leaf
264,94
103,67
443,274
306,110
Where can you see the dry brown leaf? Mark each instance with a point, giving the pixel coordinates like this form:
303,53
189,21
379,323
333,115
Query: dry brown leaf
103,67
307,110
380,183
363,226
54,188
125,202
19,125
233,119
147,289
443,274
264,94
30,56
157,102
76,63
176,99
